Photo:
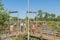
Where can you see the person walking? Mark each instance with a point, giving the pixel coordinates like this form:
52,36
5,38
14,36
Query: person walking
33,26
11,28
21,25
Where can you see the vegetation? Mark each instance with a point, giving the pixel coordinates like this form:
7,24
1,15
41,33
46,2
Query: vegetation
51,19
4,16
41,16
45,16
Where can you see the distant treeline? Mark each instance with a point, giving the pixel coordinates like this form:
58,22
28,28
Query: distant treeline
45,16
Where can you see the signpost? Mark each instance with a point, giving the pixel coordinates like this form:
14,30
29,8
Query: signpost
28,18
9,17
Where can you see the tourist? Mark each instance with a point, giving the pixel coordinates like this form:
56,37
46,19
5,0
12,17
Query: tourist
11,28
33,26
21,25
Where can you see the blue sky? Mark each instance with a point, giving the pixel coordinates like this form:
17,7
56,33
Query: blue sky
51,6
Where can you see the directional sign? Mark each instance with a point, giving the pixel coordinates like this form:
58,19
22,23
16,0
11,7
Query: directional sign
31,12
13,12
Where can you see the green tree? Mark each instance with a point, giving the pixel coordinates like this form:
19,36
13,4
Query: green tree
40,12
46,16
52,16
58,18
40,15
3,16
